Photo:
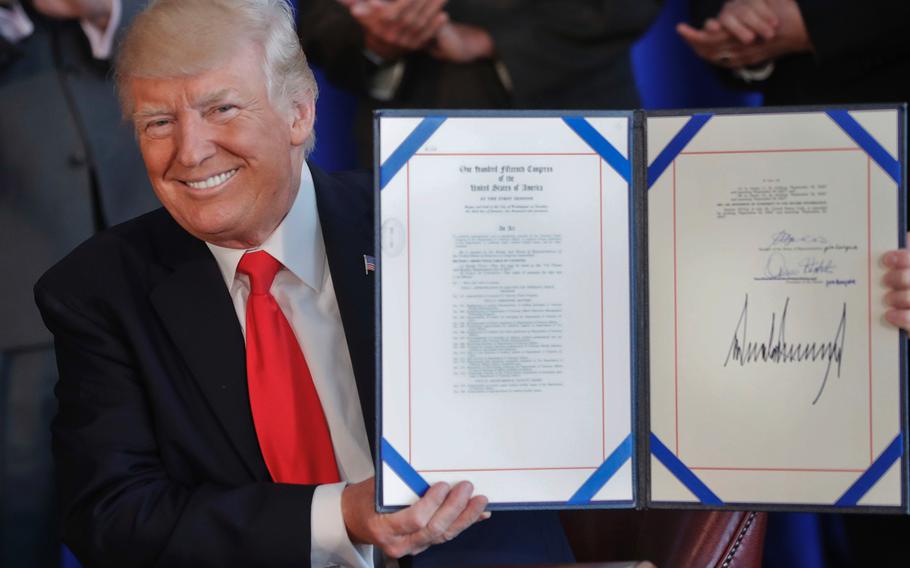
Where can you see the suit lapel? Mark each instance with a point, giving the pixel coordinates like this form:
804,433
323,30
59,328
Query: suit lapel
346,216
197,312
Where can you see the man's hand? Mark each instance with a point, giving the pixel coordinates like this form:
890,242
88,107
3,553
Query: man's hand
749,32
898,279
439,516
462,43
748,20
395,27
96,11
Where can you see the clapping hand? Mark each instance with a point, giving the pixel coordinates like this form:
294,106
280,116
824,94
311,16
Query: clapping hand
749,32
395,27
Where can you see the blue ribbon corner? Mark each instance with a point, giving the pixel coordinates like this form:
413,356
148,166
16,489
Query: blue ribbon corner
603,474
676,145
871,476
599,144
397,159
403,469
867,142
683,473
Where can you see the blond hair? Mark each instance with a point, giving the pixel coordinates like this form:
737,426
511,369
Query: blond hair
179,38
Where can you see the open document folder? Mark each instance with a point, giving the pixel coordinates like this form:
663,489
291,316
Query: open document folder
641,309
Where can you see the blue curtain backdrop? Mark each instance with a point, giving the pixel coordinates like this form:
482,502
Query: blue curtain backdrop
668,75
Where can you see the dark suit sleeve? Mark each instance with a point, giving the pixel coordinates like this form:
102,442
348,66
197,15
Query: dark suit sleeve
843,29
334,41
119,507
544,43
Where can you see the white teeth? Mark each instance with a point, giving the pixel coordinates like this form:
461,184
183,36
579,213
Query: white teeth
212,181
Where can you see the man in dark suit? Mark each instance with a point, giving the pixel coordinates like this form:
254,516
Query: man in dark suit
810,52
68,167
476,54
807,51
171,445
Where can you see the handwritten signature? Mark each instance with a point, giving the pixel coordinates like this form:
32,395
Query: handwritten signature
777,350
777,267
783,238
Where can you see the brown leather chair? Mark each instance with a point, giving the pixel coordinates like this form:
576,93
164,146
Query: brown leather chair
669,539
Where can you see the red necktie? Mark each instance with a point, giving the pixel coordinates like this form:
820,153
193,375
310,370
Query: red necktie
291,427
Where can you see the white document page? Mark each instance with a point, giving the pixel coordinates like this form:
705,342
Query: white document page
774,377
505,308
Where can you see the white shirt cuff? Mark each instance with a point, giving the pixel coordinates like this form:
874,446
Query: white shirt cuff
102,41
755,73
329,542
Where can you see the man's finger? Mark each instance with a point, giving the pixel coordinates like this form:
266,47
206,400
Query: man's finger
393,11
691,34
732,24
471,514
758,24
897,279
897,259
705,39
436,530
432,28
898,299
765,12
426,12
899,318
713,26
416,517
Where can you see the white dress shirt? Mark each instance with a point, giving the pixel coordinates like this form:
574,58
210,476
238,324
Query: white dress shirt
16,26
304,292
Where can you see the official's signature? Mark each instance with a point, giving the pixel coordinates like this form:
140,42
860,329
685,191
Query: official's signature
777,267
777,350
784,238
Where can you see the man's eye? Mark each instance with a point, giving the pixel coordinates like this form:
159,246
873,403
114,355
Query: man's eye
222,109
158,127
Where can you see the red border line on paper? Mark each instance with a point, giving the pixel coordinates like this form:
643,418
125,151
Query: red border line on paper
431,154
603,387
771,151
408,205
602,379
675,321
869,287
787,469
869,292
579,468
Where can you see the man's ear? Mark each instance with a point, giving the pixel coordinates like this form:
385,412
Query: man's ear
303,117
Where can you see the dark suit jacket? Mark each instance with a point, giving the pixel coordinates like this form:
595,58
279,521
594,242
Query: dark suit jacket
68,163
861,54
560,54
157,458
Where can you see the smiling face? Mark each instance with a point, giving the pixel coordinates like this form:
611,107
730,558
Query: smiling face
223,160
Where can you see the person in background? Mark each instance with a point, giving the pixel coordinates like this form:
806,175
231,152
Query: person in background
68,167
476,54
807,51
799,52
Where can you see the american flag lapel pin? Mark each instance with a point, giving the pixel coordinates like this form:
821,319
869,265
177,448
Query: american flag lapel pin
369,264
